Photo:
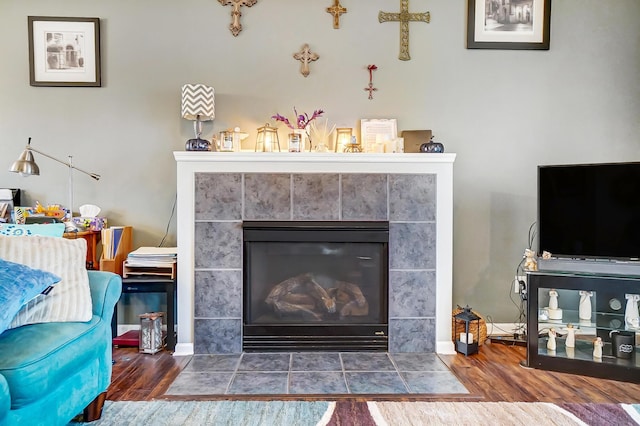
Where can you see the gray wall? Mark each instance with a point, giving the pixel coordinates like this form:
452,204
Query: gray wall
503,112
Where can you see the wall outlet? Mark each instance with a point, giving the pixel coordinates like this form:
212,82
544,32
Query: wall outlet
516,284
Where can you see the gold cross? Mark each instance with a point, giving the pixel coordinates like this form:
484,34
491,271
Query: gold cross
305,56
336,10
235,25
404,17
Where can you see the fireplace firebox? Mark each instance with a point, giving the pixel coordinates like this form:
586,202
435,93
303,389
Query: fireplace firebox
315,286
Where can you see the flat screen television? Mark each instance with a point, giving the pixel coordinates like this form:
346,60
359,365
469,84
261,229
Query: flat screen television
589,211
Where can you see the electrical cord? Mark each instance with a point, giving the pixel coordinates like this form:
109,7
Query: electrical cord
173,210
521,303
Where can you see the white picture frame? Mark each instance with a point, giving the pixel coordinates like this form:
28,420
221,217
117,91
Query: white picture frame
374,132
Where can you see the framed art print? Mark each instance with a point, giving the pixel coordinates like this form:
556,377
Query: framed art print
64,51
508,24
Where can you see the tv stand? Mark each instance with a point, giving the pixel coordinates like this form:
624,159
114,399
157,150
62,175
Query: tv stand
590,266
606,317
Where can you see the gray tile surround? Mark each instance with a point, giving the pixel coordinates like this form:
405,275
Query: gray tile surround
224,200
316,373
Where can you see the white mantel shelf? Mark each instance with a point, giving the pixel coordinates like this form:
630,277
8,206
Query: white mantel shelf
336,161
189,163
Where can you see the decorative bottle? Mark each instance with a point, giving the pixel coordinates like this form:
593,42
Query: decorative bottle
571,337
631,318
584,309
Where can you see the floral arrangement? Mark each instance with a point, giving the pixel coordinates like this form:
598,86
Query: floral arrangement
302,120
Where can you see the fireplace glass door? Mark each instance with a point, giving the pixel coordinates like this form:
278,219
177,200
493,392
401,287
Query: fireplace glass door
315,285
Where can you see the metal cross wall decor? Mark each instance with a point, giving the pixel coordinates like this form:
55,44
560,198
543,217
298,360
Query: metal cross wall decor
235,25
305,56
336,10
404,17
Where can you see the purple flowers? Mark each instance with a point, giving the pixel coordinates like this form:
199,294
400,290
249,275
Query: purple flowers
302,120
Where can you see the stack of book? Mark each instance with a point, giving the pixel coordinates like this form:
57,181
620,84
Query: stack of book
151,261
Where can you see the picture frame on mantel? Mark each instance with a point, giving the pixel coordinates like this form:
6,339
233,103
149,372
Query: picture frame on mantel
64,51
493,24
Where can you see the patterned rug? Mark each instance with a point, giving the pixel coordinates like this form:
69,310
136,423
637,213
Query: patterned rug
356,413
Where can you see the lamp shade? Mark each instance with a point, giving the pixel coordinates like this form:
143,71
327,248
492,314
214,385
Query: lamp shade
198,102
25,164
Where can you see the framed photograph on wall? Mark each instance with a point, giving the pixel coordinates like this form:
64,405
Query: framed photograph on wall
64,51
508,24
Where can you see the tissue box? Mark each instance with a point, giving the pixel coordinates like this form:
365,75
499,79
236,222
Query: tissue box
90,223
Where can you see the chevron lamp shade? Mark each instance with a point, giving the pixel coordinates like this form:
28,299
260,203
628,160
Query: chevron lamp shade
198,102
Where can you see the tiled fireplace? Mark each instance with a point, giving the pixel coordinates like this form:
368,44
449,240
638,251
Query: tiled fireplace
217,192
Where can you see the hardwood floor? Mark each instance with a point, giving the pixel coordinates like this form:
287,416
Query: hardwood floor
493,375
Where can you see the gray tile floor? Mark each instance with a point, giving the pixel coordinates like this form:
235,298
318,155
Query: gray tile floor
316,373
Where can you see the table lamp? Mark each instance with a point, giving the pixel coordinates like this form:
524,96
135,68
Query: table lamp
198,105
26,166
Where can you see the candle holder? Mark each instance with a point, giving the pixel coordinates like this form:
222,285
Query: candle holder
267,139
151,340
343,138
467,342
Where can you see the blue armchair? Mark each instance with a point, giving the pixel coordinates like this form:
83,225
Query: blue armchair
51,372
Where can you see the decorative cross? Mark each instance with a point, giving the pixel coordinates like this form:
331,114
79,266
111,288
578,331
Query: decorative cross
305,56
404,17
336,10
235,25
370,87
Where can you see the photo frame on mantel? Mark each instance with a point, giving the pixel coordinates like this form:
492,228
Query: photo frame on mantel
493,24
64,51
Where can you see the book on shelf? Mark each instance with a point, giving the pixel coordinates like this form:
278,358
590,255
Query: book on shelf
116,245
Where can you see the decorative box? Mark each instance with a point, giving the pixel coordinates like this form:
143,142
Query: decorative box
90,223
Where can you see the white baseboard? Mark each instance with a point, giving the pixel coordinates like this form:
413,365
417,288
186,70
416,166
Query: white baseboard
123,328
504,328
183,349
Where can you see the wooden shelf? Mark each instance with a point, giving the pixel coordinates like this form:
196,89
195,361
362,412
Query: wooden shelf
164,271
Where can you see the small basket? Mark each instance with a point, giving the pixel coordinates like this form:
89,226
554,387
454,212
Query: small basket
458,328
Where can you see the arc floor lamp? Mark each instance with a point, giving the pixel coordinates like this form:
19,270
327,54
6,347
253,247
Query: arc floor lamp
26,166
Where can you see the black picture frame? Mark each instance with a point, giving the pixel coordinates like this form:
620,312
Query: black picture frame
64,51
494,24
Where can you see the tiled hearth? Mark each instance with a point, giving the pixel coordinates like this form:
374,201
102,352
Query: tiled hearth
217,192
315,373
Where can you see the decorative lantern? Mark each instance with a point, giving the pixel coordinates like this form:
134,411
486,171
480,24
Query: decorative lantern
267,139
343,138
465,343
151,333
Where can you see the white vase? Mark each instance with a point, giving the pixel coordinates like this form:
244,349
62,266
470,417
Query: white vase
584,309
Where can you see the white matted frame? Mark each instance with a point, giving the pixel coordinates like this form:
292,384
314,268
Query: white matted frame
64,51
377,131
508,24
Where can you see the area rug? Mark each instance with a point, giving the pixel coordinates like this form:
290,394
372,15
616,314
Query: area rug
360,413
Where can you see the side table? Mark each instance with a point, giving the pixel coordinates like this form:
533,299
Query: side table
152,284
93,238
